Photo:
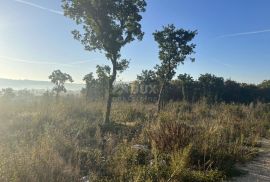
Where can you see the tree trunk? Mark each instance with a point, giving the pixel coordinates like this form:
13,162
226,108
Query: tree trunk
183,92
110,94
160,96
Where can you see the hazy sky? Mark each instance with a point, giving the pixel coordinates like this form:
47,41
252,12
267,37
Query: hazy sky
233,40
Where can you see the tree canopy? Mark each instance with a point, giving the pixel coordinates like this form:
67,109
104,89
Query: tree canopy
108,25
59,79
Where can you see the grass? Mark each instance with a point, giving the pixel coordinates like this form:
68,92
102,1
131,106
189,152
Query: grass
45,140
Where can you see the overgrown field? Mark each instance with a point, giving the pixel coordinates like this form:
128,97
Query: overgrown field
47,140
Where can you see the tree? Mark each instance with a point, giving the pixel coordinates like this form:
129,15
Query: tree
174,47
265,84
90,85
186,82
59,79
103,74
108,26
147,76
212,86
248,93
264,89
97,87
232,91
147,85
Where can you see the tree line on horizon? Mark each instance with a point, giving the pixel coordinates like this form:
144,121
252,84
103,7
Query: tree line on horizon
184,88
146,87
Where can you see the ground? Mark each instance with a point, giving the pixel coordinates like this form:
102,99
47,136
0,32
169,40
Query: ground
259,169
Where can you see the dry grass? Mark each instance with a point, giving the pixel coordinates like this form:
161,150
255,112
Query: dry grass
45,140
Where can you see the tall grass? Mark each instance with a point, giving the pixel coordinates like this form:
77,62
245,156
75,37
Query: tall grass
48,140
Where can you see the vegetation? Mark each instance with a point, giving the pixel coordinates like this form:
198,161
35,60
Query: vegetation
207,126
59,79
108,26
45,140
97,88
174,47
211,88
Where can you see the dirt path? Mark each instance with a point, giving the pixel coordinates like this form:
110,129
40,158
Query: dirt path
259,169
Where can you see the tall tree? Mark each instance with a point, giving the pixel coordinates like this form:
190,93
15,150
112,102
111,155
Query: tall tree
174,47
108,26
59,79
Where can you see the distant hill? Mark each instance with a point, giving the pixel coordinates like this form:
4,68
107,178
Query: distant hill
32,84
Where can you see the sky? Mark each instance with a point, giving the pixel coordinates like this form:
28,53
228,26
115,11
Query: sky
233,40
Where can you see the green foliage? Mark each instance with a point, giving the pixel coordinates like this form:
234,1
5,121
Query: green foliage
147,77
122,65
116,23
59,79
179,163
207,87
97,88
212,87
187,86
265,84
174,47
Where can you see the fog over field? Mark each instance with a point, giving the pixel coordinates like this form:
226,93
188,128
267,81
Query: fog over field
35,85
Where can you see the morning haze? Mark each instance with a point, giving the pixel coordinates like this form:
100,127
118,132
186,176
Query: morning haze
134,90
